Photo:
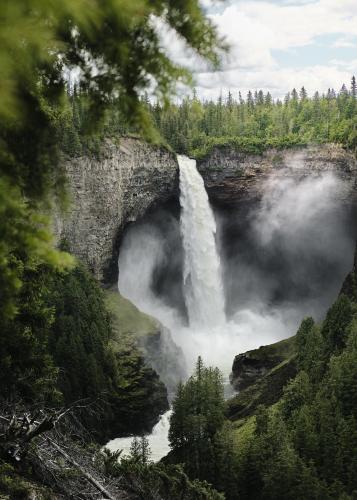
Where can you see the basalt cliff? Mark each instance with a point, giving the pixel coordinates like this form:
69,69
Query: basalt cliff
232,177
131,177
107,193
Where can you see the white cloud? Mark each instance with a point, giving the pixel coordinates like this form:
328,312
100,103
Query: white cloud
278,81
344,42
260,27
255,29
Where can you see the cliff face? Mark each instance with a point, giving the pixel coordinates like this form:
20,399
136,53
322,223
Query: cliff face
232,177
130,178
110,192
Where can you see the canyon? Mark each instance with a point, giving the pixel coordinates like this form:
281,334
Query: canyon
131,178
128,179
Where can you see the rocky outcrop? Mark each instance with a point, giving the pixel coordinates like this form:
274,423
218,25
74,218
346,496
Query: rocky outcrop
266,391
260,376
109,192
232,177
248,368
253,365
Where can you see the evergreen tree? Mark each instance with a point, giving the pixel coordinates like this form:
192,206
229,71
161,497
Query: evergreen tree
197,417
250,100
140,450
230,102
343,90
294,95
268,99
303,94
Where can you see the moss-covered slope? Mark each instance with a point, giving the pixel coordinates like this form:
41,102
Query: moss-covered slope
127,319
133,327
260,375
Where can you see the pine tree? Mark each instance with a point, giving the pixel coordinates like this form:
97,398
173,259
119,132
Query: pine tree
250,100
197,416
230,101
145,450
135,449
268,99
343,90
303,94
353,87
260,98
335,327
294,95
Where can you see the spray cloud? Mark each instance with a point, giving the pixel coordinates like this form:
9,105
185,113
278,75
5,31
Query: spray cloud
283,260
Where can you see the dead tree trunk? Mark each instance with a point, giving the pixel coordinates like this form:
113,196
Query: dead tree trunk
90,478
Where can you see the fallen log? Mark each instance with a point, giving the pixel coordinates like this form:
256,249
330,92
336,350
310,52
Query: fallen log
86,474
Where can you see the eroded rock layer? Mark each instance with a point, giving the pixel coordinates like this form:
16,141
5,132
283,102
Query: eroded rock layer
232,177
131,177
109,192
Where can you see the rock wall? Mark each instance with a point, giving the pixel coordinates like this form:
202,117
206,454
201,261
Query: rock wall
128,179
232,177
110,192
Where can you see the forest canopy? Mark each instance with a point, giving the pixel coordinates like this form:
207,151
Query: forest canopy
256,122
251,123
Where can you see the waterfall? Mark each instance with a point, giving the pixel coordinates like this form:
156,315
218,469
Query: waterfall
203,288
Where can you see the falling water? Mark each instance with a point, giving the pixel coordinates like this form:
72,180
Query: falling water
203,289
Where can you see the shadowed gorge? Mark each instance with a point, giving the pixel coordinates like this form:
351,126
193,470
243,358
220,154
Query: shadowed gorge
283,255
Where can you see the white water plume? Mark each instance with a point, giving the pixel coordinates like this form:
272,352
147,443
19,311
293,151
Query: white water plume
203,288
142,250
288,261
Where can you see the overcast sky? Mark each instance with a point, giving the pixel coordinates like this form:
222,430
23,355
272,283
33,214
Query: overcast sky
280,44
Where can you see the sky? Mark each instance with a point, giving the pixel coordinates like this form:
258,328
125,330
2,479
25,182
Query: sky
276,45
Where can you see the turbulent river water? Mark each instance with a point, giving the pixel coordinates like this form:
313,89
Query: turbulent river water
158,440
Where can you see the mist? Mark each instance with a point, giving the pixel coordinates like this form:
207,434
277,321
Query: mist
282,259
